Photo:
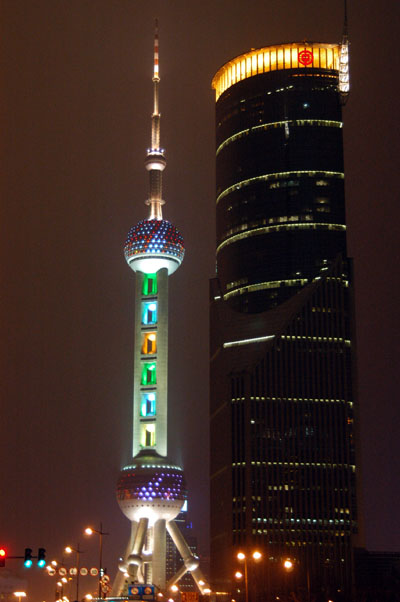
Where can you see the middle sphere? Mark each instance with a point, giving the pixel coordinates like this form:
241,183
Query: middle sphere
154,244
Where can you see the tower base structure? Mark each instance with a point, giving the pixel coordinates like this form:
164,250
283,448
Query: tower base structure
151,492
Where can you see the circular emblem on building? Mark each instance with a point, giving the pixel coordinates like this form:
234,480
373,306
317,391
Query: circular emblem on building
305,57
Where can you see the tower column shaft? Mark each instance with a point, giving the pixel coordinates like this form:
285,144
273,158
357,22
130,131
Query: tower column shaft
155,123
155,185
159,361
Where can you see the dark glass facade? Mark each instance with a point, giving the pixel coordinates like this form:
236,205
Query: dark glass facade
283,468
280,184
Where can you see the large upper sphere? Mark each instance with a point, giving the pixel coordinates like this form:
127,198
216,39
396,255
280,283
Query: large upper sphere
154,244
151,487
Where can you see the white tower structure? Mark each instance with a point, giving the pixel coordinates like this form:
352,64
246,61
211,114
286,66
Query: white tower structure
151,491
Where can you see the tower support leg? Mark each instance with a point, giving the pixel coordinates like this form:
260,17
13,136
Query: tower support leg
159,553
135,558
191,562
120,577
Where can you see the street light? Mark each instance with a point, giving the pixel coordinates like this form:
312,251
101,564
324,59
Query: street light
256,555
100,533
78,552
20,595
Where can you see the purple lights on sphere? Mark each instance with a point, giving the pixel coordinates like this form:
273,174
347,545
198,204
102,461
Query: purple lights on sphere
154,237
151,483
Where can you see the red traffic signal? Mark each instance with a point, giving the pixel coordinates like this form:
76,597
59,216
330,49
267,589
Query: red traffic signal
3,556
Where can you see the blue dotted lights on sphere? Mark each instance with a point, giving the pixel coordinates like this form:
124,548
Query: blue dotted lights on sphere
155,237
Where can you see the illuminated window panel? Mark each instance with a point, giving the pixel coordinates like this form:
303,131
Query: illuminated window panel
149,374
273,60
254,65
149,284
148,405
149,343
148,435
149,312
248,67
280,58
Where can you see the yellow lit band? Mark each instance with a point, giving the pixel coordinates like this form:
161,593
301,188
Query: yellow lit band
278,175
249,341
276,58
347,342
310,464
303,399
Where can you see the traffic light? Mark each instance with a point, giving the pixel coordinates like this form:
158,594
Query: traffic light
28,558
3,556
41,557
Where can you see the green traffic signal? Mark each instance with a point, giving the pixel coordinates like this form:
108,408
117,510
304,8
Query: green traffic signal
28,558
41,557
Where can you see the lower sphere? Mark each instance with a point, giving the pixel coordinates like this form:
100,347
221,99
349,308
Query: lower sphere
151,488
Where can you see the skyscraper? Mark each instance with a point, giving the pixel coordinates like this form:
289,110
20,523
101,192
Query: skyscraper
151,490
283,471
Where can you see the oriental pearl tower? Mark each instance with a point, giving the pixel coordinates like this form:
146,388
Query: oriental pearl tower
151,490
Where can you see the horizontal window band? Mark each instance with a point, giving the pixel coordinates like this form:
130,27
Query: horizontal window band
259,286
272,284
278,175
280,124
281,228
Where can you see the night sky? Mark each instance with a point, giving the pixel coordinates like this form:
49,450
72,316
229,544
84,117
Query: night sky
75,106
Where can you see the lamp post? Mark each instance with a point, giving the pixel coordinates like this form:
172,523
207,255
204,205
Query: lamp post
20,595
78,552
243,558
100,533
288,566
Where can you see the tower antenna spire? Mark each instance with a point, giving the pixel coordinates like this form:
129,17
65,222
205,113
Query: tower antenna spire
345,25
155,160
156,70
